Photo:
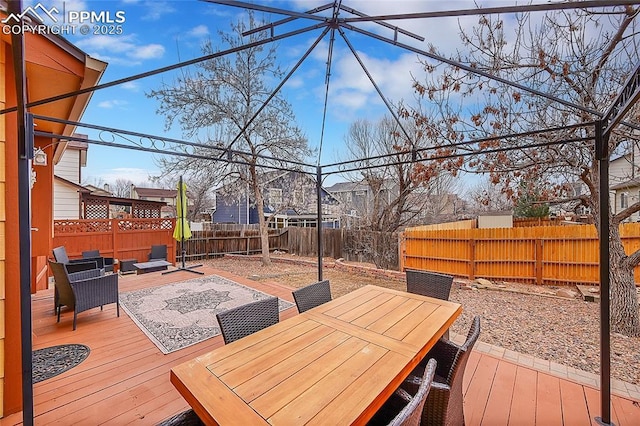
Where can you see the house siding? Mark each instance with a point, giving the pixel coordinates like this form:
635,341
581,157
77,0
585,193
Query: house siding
231,209
69,166
67,202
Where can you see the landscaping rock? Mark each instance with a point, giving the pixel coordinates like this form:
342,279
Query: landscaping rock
483,283
564,292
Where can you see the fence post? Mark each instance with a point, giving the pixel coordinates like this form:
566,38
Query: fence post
401,251
472,259
114,238
538,256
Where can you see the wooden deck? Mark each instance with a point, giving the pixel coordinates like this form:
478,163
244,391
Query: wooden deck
126,377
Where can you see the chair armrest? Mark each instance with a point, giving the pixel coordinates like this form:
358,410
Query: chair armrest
85,275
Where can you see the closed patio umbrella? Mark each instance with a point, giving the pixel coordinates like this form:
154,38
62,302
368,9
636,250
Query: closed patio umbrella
182,231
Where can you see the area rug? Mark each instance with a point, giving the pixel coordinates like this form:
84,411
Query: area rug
182,314
49,362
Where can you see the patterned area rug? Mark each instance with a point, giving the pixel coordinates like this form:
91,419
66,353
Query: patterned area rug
178,315
50,362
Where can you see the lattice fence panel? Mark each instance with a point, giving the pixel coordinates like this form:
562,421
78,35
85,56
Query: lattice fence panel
79,226
96,209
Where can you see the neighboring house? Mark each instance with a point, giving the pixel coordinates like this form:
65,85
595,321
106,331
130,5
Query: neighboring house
356,200
289,199
53,66
624,195
624,187
167,196
67,198
67,171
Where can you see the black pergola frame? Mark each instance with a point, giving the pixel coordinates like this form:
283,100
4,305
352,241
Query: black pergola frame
627,97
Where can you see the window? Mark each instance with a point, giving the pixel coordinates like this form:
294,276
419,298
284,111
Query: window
624,200
275,196
298,196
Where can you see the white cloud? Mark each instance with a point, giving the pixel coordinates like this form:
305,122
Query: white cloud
133,86
112,104
130,173
111,49
156,9
149,51
199,31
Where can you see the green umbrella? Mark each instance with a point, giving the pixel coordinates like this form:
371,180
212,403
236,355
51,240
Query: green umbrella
182,231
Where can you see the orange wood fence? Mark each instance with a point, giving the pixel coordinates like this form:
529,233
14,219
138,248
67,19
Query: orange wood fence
541,255
118,238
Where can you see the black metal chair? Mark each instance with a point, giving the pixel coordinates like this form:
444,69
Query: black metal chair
312,295
105,263
158,252
236,323
444,403
83,290
402,408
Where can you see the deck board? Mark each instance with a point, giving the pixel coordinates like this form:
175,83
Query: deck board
125,379
548,403
523,401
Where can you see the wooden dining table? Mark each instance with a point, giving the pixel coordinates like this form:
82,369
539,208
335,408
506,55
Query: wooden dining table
334,364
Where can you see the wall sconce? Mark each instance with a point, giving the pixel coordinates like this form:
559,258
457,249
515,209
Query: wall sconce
39,157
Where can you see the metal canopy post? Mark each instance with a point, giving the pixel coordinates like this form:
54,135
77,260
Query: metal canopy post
602,155
319,224
25,153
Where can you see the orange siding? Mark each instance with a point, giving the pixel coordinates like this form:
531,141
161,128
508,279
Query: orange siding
542,255
12,344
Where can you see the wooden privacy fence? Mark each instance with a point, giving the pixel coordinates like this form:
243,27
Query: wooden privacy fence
119,238
362,246
541,255
234,240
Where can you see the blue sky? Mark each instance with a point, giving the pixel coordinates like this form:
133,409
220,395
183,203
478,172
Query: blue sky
161,33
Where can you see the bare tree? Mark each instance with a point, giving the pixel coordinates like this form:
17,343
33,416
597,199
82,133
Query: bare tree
399,194
582,57
216,104
487,197
122,188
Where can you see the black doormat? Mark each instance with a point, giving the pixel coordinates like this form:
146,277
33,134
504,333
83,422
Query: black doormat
50,362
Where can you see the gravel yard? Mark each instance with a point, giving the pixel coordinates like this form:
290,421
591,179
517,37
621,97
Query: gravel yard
557,329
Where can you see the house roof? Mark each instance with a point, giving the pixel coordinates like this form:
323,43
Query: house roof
156,192
64,181
631,183
346,187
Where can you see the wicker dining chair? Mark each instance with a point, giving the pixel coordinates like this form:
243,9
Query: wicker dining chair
429,284
312,295
236,323
402,408
444,403
83,290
